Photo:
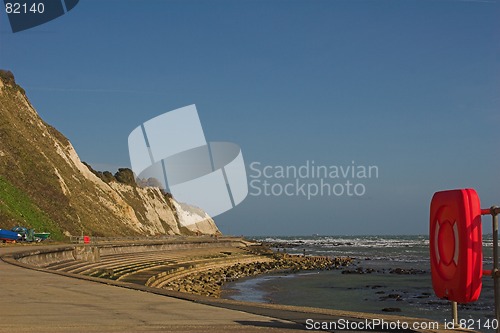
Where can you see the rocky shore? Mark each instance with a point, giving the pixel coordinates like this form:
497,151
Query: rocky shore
397,270
209,282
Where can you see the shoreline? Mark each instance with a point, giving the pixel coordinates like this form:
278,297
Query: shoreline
296,315
210,282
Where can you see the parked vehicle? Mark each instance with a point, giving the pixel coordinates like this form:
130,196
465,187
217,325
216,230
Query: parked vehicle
9,236
42,235
29,235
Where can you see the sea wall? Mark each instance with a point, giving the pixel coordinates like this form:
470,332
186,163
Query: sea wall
92,252
45,257
141,247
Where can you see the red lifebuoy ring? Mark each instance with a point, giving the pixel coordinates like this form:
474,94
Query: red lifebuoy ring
455,241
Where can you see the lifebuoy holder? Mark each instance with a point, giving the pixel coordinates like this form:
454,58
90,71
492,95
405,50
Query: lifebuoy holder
455,242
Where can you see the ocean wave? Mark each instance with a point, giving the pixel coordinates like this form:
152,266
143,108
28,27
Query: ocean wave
332,242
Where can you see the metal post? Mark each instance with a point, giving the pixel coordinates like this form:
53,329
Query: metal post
454,310
494,213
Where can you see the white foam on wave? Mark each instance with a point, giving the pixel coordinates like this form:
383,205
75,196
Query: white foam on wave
368,241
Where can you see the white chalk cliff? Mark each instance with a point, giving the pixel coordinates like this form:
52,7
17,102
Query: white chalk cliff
40,162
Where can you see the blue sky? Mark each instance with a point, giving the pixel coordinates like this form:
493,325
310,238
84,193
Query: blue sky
409,86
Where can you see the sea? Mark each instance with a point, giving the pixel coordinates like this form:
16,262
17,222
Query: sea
410,295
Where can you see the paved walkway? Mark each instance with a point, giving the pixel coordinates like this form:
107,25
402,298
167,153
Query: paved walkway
33,301
37,301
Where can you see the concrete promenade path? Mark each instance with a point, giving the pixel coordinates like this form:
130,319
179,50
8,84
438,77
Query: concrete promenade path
33,301
37,301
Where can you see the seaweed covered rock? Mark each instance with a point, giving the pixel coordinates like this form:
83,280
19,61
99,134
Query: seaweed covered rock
209,282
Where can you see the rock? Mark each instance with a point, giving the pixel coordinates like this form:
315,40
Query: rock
210,281
402,271
391,296
391,309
